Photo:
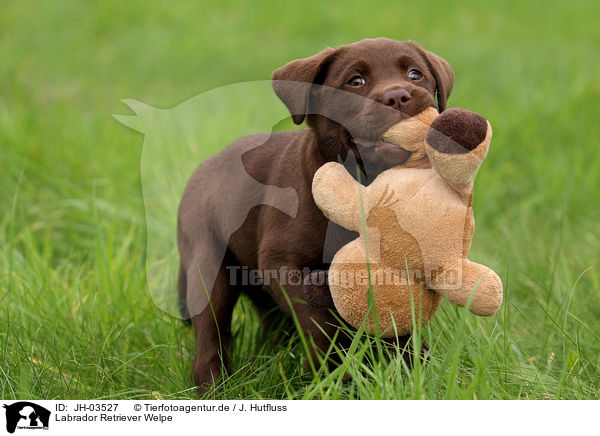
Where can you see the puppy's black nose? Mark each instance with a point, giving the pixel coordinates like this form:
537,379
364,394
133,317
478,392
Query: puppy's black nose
396,98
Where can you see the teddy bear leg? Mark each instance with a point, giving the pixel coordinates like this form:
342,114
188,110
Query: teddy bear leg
477,278
317,294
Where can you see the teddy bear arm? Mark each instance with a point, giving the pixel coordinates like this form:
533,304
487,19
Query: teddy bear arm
338,195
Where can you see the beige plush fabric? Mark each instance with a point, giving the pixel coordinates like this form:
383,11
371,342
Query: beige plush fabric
416,226
410,135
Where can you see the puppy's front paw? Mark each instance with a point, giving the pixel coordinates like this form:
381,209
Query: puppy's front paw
457,131
316,290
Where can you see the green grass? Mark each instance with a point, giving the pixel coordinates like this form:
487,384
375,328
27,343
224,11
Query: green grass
76,318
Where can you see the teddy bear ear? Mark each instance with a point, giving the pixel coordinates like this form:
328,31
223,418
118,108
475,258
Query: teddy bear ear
293,82
443,74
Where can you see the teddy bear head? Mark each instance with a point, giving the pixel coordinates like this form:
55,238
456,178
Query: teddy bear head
456,143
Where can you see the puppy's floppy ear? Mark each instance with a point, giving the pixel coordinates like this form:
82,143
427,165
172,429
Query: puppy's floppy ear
307,71
443,75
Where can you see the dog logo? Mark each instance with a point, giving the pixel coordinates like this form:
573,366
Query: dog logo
26,415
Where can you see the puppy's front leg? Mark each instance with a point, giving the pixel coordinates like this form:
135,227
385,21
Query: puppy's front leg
316,290
318,324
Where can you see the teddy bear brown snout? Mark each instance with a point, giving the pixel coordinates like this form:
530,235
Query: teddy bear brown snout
457,131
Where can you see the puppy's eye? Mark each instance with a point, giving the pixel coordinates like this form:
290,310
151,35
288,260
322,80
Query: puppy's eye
356,81
415,75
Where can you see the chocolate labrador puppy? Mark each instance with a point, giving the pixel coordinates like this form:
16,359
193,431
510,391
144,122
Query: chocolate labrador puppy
349,96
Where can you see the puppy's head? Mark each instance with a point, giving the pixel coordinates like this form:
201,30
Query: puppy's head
352,94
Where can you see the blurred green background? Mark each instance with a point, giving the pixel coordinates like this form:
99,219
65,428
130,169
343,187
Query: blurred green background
76,320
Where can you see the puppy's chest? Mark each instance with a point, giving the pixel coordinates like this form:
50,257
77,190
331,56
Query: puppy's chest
336,237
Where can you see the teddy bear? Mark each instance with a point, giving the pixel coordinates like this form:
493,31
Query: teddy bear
415,227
